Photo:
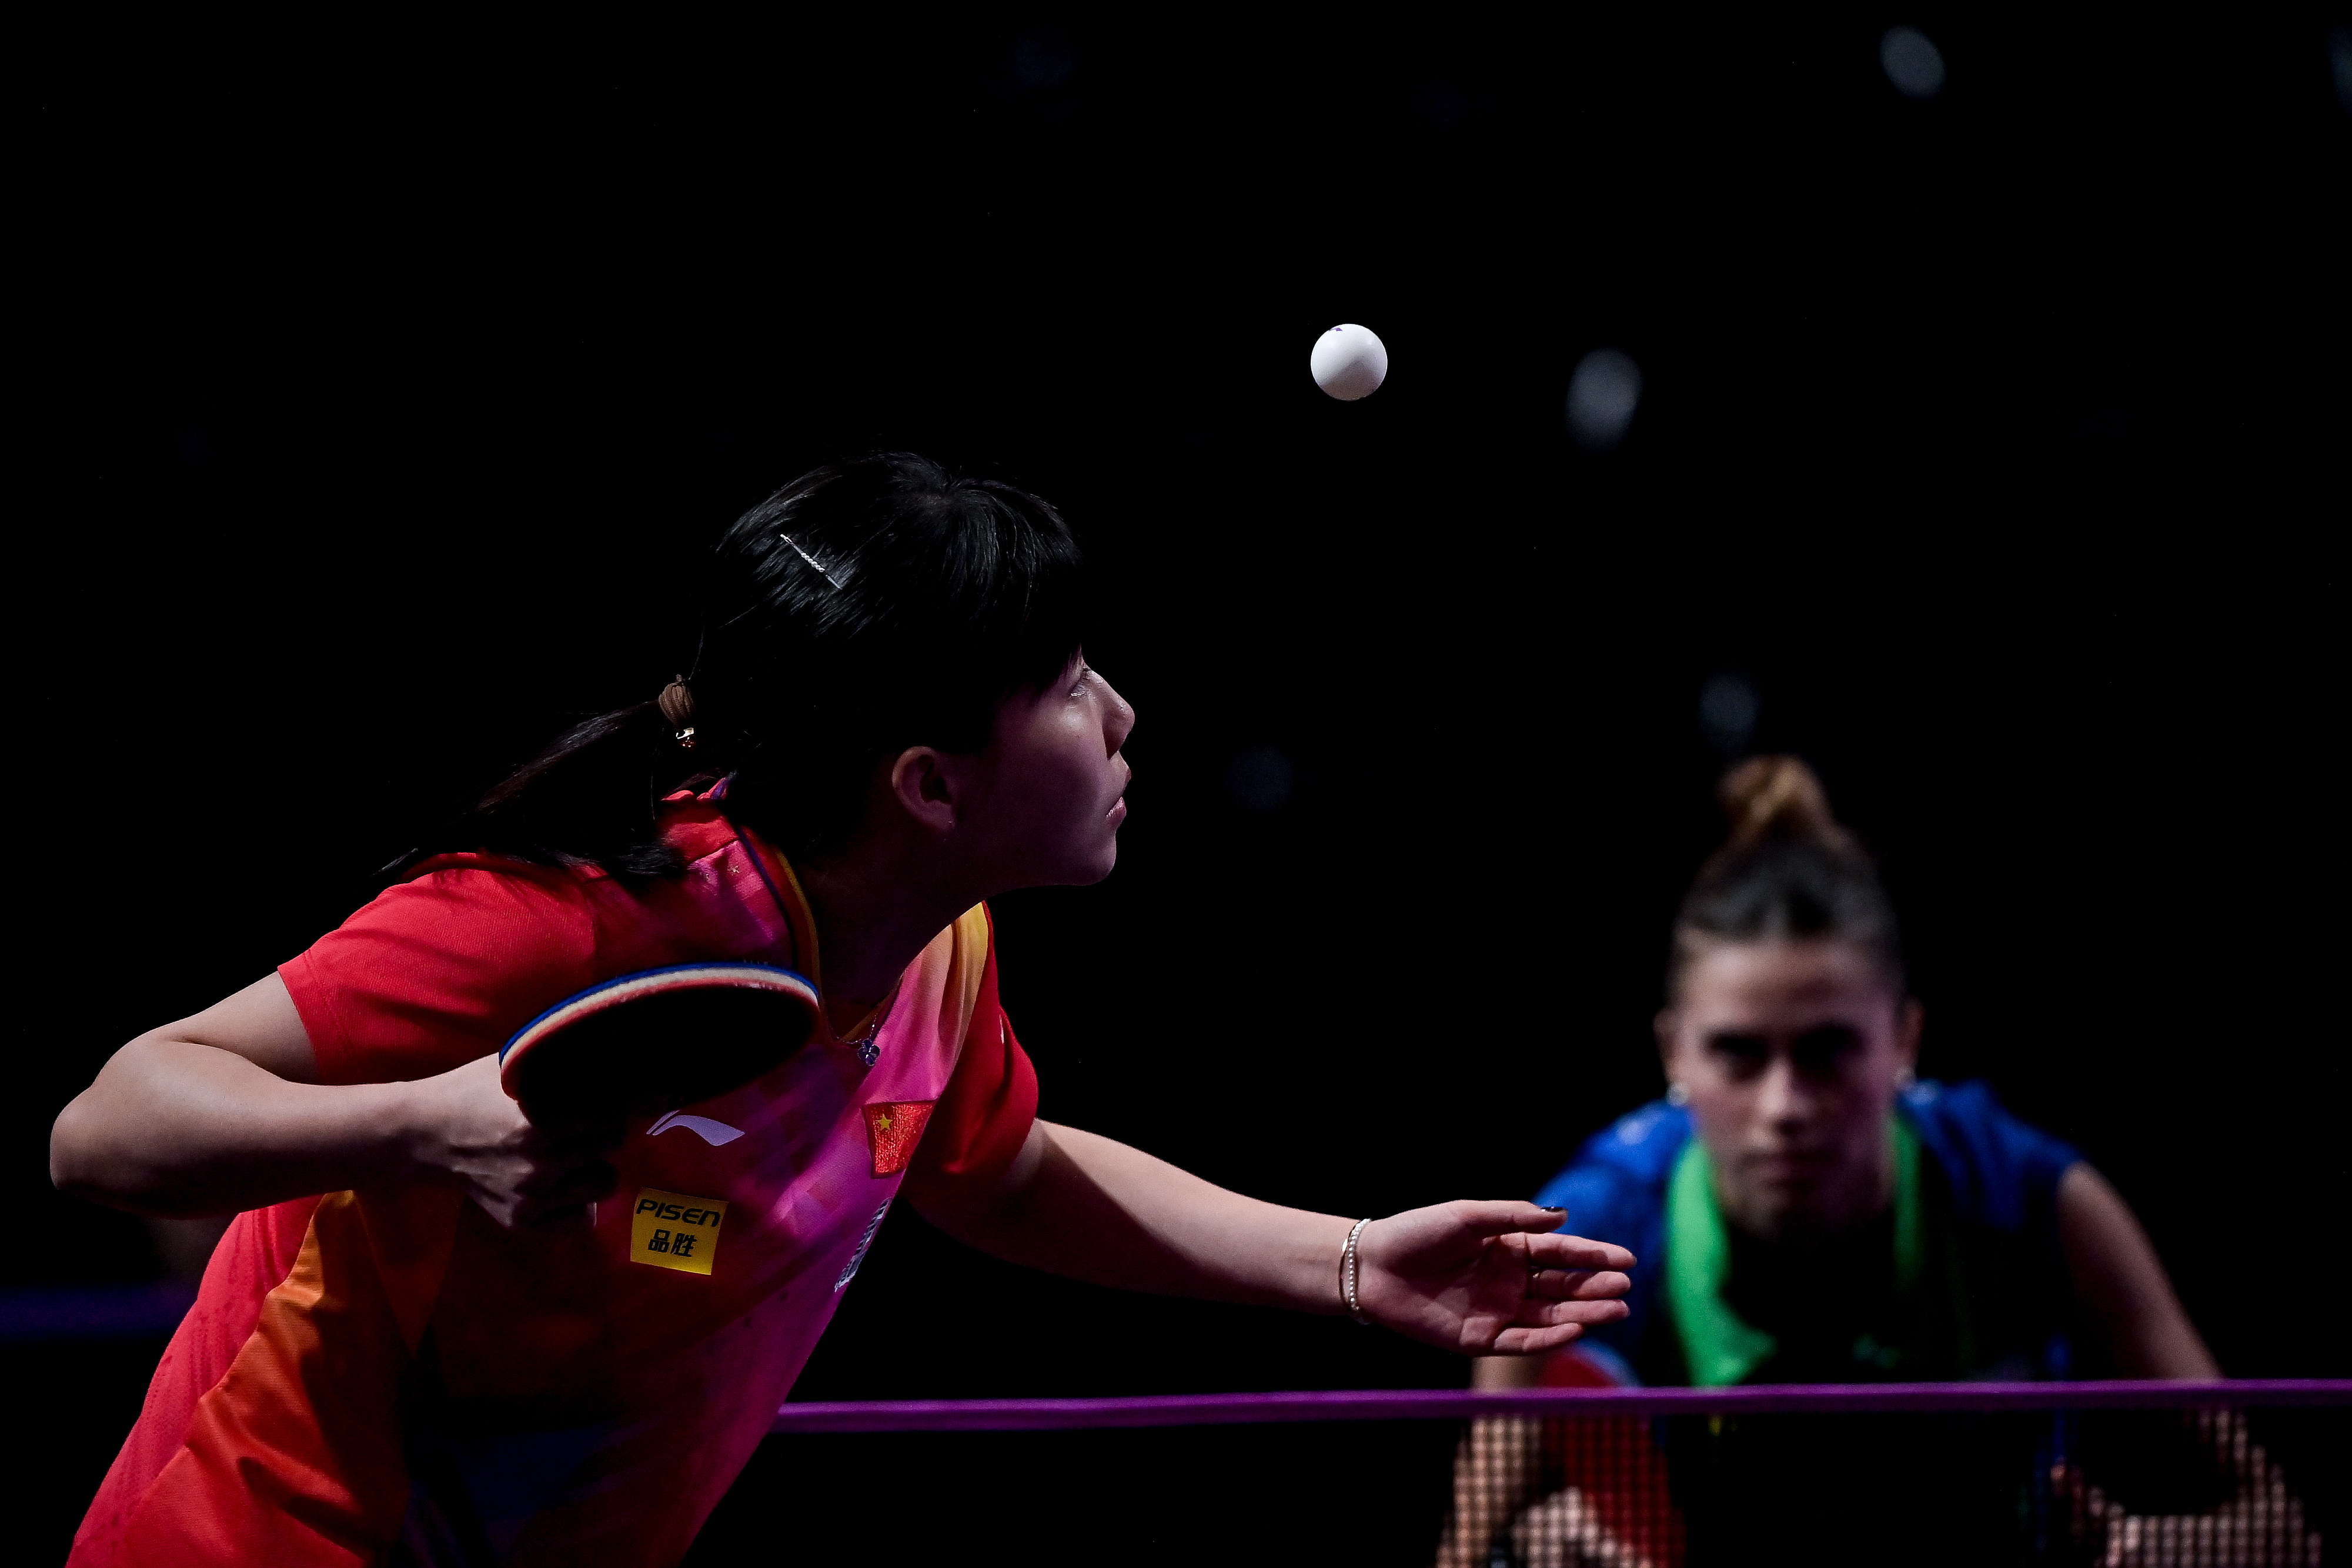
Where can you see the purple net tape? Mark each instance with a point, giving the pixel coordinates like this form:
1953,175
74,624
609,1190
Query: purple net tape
1414,1404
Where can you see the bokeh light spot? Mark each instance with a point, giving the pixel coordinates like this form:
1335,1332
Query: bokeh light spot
1601,398
1911,62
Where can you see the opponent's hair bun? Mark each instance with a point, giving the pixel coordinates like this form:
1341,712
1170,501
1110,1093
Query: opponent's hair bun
1787,872
1778,797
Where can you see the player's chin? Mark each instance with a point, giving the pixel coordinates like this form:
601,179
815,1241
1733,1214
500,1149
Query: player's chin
1081,865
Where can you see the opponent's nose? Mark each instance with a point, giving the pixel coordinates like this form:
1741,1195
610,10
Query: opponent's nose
1782,1099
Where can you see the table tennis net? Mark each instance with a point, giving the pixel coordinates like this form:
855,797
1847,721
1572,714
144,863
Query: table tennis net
1667,1479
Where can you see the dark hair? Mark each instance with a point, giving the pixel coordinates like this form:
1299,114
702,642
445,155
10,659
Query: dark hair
1788,870
865,607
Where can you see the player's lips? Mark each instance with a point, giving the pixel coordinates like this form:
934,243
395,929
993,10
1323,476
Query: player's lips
1792,1169
1117,812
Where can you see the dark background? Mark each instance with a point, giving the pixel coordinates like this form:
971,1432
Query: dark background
382,392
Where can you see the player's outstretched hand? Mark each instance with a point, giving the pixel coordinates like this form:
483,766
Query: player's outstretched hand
1487,1277
470,1132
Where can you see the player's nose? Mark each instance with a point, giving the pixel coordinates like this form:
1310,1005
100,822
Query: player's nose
1119,720
1781,1097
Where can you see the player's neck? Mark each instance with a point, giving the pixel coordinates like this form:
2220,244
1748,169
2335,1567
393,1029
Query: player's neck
878,905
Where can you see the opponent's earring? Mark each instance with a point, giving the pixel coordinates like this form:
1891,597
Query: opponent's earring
1678,1093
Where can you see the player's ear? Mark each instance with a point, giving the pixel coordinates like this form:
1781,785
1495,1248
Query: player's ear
1664,1026
924,787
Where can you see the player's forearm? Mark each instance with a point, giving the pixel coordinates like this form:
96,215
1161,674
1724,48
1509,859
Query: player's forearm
175,1128
1093,1209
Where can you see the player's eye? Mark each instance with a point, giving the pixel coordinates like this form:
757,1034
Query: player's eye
1826,1049
1742,1055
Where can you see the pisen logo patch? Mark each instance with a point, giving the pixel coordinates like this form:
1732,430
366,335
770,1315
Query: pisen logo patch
894,1127
673,1231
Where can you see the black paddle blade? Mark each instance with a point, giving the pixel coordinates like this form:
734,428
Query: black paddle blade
656,1051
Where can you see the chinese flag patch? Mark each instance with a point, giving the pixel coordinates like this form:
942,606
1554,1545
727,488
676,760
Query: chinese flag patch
894,1127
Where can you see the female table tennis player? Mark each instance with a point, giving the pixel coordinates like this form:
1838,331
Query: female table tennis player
485,1343
1809,1211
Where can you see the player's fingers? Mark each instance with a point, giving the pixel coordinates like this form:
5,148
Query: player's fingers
589,1130
1533,1313
1577,1252
570,1185
569,1199
587,1140
595,1180
1497,1219
1517,1341
1578,1284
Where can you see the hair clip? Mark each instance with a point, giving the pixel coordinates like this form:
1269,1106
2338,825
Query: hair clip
810,560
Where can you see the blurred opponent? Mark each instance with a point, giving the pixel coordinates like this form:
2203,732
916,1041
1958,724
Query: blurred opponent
1809,1210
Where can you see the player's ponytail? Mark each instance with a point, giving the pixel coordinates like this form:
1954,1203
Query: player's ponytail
587,800
866,607
1788,870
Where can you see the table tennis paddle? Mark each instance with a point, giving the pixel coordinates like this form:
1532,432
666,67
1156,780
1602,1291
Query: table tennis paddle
646,1043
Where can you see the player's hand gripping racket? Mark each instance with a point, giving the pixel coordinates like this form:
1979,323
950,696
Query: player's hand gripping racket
653,1042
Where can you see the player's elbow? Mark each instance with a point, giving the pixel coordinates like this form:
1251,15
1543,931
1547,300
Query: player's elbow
76,1165
94,1153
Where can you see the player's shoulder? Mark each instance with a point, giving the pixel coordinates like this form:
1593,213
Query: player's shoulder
965,948
2002,1168
488,903
974,931
973,938
1622,1169
958,970
441,967
1643,1144
481,878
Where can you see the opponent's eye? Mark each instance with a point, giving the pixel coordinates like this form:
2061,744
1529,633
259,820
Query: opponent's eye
1741,1055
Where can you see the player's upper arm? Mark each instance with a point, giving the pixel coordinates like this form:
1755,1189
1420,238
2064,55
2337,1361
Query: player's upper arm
259,1023
440,970
2127,1299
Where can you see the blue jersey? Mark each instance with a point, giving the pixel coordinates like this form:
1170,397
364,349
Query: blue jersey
1991,1191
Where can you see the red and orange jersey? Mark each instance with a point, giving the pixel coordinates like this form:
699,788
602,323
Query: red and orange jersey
387,1368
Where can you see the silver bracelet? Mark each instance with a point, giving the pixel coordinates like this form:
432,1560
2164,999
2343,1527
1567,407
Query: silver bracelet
1348,1272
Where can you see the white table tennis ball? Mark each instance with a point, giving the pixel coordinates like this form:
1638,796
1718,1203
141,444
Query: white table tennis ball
1350,361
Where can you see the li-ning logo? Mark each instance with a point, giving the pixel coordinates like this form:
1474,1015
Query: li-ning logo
710,1131
849,1271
